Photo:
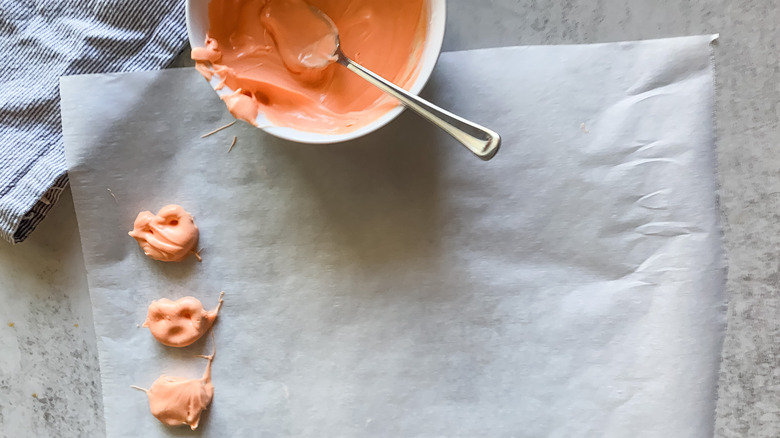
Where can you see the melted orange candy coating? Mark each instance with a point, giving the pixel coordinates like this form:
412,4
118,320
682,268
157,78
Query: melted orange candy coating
180,323
248,43
169,236
177,401
300,51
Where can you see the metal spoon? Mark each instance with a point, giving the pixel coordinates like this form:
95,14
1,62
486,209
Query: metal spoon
482,141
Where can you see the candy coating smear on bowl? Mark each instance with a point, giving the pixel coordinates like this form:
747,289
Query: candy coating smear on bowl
384,36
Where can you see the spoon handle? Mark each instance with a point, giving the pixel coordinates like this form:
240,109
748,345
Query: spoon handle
482,141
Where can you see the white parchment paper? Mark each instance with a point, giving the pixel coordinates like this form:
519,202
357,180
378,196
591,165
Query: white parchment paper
396,286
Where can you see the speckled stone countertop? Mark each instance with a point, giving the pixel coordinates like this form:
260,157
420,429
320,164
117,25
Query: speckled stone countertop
49,379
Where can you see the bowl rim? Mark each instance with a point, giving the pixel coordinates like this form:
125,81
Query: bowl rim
434,41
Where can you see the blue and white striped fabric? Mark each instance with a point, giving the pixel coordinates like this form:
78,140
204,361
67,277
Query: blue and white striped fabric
42,40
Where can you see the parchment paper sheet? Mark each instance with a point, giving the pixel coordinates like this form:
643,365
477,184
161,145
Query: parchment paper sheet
396,286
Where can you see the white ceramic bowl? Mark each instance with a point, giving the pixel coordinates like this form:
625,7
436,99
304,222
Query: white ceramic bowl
198,24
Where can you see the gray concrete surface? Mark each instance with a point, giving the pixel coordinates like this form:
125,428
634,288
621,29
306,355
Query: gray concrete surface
44,293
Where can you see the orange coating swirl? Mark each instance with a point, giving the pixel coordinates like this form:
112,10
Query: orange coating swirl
177,401
180,323
169,236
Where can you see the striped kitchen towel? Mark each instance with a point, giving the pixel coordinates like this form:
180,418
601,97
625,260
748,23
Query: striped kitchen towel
42,40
